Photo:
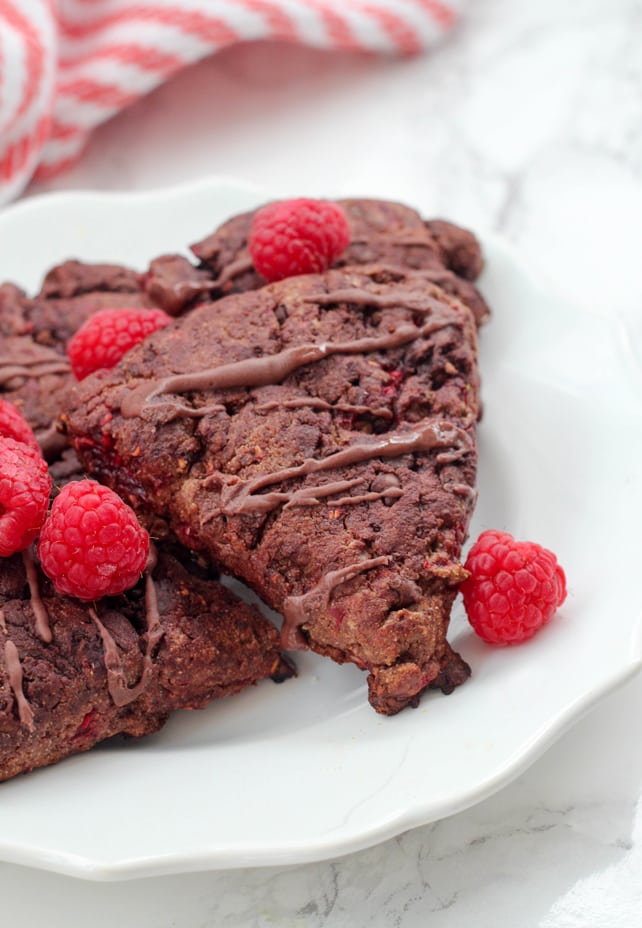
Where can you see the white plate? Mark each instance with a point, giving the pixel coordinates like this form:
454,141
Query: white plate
306,770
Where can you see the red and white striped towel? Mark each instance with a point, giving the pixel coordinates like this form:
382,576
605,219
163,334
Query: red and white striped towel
68,65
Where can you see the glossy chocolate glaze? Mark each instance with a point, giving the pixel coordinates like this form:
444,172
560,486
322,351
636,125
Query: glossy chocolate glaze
11,370
314,402
273,369
120,692
298,609
421,303
263,371
239,498
14,674
43,629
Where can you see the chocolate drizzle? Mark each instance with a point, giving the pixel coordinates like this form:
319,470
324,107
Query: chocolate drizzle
416,302
402,239
43,629
172,282
10,369
463,489
315,402
371,496
239,497
264,371
268,370
274,368
312,496
120,692
297,610
181,411
51,441
14,674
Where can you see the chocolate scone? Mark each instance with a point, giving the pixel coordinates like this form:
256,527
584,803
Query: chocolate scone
35,377
34,370
315,438
381,232
72,292
73,674
75,290
13,303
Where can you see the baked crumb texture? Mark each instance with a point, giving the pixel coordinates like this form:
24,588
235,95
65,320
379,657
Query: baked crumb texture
121,666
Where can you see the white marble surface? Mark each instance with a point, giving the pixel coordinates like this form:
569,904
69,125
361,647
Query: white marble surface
528,122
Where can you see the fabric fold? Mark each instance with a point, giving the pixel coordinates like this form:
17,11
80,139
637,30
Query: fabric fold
66,66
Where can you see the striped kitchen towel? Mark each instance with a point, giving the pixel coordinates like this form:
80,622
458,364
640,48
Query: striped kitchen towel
68,65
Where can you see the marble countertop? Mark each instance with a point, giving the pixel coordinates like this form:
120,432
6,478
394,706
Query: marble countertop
527,122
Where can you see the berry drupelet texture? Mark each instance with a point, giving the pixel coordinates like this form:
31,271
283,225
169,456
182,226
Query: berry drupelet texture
108,335
25,486
514,588
14,425
92,545
297,237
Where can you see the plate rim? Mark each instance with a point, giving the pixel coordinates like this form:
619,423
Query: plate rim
86,867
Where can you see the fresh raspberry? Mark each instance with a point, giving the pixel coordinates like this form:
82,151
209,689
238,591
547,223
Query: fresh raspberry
297,237
25,486
92,544
514,587
14,425
109,334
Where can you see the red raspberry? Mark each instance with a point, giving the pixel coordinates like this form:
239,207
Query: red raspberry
14,425
514,588
25,486
297,237
92,544
109,334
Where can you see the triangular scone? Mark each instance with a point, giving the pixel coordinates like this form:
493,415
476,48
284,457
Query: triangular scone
119,666
315,438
